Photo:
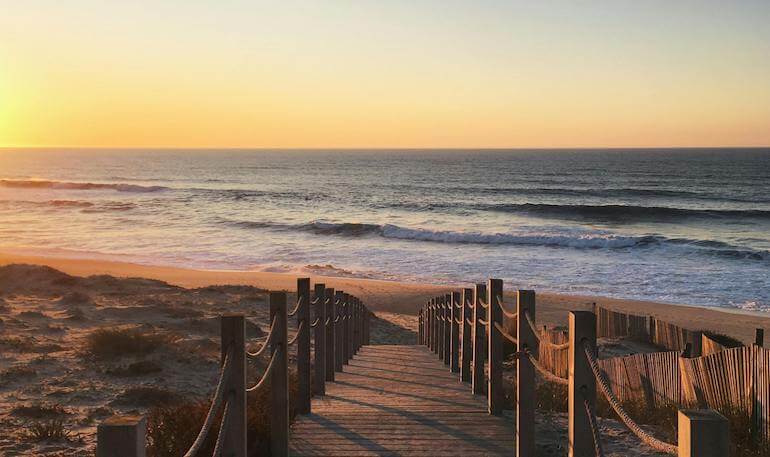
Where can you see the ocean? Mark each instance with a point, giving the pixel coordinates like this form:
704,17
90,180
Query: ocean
689,226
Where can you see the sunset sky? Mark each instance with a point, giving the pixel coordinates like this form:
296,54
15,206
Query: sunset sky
380,73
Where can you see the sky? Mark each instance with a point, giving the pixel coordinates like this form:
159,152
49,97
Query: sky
384,73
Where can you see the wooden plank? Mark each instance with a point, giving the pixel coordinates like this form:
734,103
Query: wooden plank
400,400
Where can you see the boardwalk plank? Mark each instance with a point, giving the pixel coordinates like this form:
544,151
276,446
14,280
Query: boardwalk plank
400,400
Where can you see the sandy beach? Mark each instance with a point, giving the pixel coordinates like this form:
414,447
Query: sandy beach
406,298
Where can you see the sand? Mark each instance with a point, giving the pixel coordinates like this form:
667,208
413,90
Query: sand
47,316
407,298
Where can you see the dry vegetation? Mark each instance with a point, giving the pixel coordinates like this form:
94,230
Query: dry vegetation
122,342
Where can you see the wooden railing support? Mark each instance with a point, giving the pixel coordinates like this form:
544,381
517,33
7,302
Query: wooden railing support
441,327
419,327
346,329
279,381
448,329
339,298
455,314
759,337
525,375
304,393
330,313
703,433
434,326
121,436
495,394
319,358
466,344
233,339
479,339
582,384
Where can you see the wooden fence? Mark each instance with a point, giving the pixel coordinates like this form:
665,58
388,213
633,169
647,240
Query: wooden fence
651,378
341,325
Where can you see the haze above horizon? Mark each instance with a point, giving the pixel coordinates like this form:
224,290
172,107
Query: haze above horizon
308,74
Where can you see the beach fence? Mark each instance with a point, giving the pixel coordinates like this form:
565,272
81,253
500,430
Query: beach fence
466,330
340,326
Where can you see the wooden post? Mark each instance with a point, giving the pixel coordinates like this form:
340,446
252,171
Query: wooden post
466,344
433,326
233,336
338,332
582,384
696,338
703,433
495,394
319,358
448,329
330,307
303,346
419,327
455,315
368,326
121,436
346,329
525,375
441,328
759,337
479,338
349,326
279,382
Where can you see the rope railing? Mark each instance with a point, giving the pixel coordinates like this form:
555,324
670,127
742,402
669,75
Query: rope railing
296,308
545,372
216,403
267,373
594,424
543,341
222,430
300,329
315,322
266,343
505,334
645,437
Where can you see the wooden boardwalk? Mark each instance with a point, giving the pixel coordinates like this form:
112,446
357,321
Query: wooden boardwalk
400,400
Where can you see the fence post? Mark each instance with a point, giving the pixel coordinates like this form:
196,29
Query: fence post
466,344
279,382
349,310
441,327
495,350
330,307
233,336
448,329
433,326
419,327
345,328
702,433
759,337
525,375
479,338
582,384
121,436
303,346
319,358
455,315
696,338
368,327
338,331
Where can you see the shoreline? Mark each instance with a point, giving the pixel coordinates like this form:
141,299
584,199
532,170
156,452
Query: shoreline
405,297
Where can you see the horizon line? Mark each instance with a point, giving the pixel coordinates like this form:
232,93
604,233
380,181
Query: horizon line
376,148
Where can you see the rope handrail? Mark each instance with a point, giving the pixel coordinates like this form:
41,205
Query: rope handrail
216,403
328,321
315,301
299,331
469,322
618,408
266,343
483,304
267,372
296,308
505,334
222,427
594,424
338,318
544,372
543,341
508,314
458,321
482,321
315,322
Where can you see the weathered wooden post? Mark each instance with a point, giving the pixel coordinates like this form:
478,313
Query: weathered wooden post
233,336
356,328
279,382
479,339
759,337
433,326
368,327
448,329
121,436
319,358
339,298
495,394
303,346
525,375
349,311
455,315
466,344
345,328
696,339
419,327
703,433
330,313
582,384
441,327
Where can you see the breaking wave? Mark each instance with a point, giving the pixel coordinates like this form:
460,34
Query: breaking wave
40,184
